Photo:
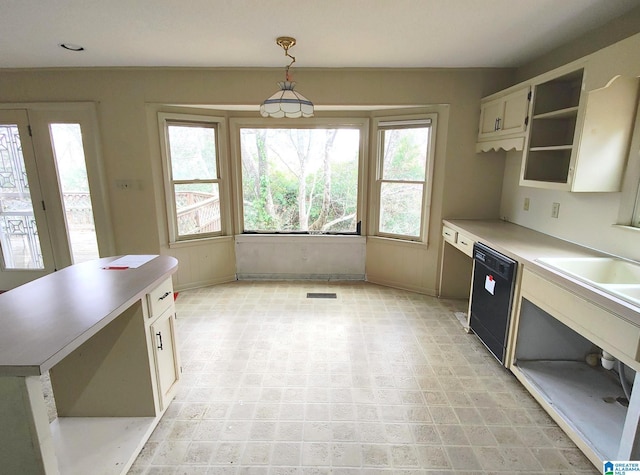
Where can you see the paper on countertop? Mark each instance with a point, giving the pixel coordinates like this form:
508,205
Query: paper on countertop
490,284
131,261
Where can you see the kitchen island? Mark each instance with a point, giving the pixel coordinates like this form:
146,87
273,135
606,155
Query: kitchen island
106,337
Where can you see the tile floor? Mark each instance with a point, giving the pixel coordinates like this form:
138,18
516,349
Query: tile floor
376,381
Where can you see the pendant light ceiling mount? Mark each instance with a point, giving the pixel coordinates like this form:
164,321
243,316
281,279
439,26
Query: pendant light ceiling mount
287,102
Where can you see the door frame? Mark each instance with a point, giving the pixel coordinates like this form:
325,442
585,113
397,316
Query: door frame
40,115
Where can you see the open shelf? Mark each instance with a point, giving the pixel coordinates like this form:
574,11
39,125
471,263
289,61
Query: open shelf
579,394
551,147
548,164
84,444
558,114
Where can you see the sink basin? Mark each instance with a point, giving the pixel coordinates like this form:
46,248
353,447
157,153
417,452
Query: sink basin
627,292
600,270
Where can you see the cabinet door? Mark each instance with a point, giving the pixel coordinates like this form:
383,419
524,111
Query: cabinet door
165,355
490,115
516,110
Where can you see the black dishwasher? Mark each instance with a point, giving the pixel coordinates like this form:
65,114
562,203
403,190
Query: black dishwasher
494,276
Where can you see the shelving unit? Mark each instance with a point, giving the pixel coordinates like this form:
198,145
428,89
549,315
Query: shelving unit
552,133
578,140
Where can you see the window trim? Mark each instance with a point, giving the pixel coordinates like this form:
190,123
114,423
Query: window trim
399,122
238,123
219,123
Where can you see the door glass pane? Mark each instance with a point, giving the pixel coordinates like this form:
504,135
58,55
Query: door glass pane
197,208
74,186
19,238
401,208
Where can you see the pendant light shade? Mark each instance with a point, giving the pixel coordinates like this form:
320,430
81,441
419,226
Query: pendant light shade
287,102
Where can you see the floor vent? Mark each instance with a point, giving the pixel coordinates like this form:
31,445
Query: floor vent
321,295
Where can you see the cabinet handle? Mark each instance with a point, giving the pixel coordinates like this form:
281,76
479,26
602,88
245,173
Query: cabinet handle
166,294
159,345
498,123
495,125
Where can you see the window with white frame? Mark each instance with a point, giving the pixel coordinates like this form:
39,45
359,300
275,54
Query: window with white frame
300,179
192,176
404,172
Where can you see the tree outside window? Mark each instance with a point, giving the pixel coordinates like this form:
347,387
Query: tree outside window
300,179
194,178
403,164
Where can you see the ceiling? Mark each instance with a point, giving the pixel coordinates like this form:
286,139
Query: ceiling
329,33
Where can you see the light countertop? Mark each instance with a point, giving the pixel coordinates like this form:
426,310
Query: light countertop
526,245
43,321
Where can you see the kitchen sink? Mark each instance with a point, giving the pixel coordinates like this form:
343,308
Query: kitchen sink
601,270
610,274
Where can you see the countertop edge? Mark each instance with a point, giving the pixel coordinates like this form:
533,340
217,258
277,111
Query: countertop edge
526,245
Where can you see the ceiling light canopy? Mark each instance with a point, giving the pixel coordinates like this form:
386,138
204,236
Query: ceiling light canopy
287,102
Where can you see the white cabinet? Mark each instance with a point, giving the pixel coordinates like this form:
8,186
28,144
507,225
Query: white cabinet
165,356
503,121
455,266
163,341
111,386
578,140
459,240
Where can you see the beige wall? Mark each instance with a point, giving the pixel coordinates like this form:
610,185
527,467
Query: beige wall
616,30
465,185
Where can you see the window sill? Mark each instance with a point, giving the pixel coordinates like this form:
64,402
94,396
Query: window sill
282,238
199,242
627,227
397,242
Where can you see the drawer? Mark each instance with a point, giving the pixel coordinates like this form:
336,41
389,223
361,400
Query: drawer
449,234
160,298
465,244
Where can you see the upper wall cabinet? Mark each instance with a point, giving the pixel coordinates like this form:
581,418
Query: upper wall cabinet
578,140
503,121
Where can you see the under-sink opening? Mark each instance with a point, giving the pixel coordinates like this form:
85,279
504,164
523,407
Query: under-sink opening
556,361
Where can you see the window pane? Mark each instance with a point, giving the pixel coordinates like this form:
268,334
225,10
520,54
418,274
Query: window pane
401,208
197,208
19,237
300,179
405,153
193,152
74,185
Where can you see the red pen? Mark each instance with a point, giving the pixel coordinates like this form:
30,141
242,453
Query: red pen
117,267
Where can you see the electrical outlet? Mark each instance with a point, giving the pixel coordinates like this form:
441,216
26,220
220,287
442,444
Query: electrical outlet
526,204
555,210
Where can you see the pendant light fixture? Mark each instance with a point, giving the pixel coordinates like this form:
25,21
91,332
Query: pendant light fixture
287,102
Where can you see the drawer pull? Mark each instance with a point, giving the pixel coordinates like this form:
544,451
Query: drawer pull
159,345
166,294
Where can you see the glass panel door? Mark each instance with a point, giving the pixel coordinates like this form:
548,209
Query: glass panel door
18,229
24,255
74,189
